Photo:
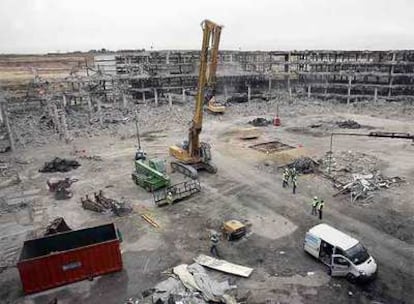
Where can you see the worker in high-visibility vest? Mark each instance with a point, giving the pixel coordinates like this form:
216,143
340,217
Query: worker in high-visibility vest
285,178
320,207
294,183
315,203
170,198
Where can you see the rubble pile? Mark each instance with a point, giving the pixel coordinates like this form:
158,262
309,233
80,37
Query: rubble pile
348,124
260,122
58,225
304,165
361,185
356,173
103,204
59,165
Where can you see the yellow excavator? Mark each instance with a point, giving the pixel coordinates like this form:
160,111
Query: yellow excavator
193,155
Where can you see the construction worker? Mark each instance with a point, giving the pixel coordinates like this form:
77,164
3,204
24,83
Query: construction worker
315,203
320,207
286,175
294,183
214,240
293,173
169,198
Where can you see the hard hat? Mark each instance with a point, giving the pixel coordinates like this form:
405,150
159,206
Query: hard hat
315,197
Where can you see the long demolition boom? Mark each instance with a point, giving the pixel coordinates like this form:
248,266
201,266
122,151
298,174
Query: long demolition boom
207,74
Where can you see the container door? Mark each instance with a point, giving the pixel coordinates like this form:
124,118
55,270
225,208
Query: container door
340,265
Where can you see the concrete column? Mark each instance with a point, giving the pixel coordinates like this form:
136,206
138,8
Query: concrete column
64,126
89,99
270,84
289,88
156,97
98,103
143,97
249,92
170,100
56,119
1,114
184,97
375,94
64,101
225,93
309,90
167,59
89,104
5,118
124,101
348,98
391,77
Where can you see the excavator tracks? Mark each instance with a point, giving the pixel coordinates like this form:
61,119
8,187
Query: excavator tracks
187,170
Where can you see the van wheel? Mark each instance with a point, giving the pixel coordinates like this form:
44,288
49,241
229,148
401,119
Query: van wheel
329,271
351,278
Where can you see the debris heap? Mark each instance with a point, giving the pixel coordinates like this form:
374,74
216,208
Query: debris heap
260,122
60,165
304,165
189,284
356,173
361,185
348,124
58,225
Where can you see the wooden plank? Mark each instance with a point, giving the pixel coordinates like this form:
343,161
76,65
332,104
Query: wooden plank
224,266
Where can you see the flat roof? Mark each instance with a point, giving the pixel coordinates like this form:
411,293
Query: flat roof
333,236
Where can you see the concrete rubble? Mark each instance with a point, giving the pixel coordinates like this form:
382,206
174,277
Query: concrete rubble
356,173
361,185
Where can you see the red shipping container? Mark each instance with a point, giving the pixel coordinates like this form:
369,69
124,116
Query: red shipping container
68,257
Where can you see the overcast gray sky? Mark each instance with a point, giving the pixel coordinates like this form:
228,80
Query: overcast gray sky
33,26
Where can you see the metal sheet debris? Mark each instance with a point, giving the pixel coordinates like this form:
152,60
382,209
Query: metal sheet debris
223,265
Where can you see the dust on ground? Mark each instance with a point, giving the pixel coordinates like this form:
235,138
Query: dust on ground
282,271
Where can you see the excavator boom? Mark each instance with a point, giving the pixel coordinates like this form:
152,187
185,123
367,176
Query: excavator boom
195,155
211,36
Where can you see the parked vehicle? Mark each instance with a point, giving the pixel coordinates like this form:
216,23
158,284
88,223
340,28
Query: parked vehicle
344,255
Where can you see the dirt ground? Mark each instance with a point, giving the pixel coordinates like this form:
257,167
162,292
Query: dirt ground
283,273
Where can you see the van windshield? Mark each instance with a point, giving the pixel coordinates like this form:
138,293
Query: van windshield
357,254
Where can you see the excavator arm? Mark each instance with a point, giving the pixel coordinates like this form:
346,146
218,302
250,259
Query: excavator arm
207,75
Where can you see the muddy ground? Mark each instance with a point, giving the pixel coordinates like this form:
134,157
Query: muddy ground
283,273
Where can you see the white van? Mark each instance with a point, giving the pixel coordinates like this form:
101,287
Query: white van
344,255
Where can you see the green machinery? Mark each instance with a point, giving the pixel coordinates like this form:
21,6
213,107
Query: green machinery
150,176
